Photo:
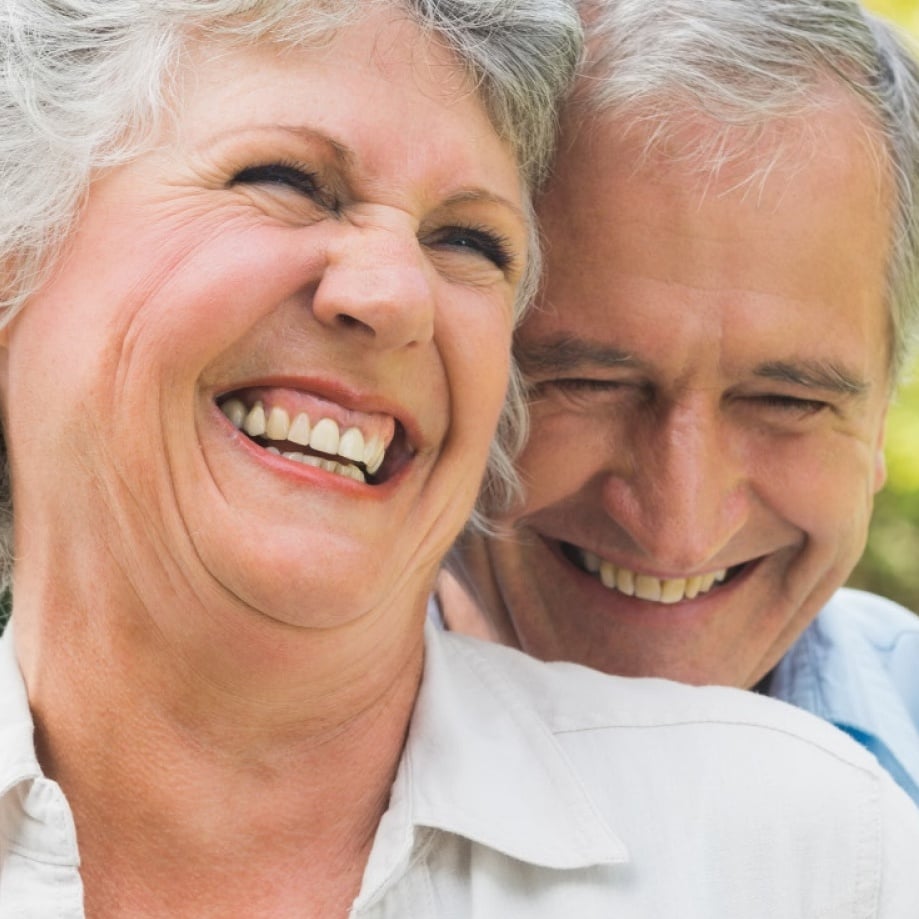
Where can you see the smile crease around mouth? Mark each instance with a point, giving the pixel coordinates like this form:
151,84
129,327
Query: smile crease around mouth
319,441
646,586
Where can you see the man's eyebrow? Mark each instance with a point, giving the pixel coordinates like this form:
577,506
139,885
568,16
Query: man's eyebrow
814,374
566,353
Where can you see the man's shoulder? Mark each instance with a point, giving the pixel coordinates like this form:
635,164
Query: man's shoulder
870,615
878,638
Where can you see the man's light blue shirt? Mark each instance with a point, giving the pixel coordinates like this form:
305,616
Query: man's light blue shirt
857,666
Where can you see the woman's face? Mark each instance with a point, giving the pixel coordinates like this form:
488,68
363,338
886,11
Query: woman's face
320,261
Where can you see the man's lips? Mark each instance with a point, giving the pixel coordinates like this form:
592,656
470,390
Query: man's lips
646,586
367,447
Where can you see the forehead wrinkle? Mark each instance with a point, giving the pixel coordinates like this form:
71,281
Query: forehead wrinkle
815,374
566,352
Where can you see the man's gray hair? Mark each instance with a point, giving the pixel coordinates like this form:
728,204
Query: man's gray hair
85,84
745,63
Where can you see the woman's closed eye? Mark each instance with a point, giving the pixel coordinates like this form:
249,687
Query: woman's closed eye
477,241
291,176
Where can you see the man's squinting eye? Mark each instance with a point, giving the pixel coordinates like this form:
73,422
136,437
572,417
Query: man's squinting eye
478,241
793,404
576,386
584,390
586,384
287,175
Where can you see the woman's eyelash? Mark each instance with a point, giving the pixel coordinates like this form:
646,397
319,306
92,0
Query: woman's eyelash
289,175
493,246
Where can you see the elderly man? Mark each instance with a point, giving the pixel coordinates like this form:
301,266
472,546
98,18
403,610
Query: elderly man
730,288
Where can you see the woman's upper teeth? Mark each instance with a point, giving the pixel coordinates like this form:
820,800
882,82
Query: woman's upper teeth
646,586
320,434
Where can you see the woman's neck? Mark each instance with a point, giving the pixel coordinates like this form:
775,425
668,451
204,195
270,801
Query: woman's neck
256,766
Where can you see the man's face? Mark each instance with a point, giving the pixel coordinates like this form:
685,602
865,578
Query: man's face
709,370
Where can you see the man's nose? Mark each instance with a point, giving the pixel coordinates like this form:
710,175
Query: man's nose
377,283
685,494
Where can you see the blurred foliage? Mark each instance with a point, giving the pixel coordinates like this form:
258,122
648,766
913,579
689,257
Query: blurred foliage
905,12
890,565
891,562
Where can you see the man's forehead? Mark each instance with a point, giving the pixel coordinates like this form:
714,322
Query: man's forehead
728,154
796,210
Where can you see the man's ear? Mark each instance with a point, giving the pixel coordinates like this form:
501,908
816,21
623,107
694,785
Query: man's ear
7,281
5,336
880,461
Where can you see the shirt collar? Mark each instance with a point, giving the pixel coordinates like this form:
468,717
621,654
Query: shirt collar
479,762
18,762
485,765
836,671
35,819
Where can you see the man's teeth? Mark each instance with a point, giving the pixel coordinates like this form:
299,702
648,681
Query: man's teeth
647,587
324,436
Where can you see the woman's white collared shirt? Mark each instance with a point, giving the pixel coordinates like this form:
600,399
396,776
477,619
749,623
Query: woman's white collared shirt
548,791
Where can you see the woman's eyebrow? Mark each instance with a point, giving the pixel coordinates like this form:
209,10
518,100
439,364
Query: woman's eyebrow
340,152
346,159
476,195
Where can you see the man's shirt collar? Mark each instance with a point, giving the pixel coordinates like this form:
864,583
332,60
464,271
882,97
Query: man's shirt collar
855,666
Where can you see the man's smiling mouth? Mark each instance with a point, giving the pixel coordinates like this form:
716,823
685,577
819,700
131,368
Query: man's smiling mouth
369,450
646,586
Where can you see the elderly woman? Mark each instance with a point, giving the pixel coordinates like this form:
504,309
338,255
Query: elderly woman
261,262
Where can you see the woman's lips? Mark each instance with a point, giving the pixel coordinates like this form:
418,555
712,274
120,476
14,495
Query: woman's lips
304,428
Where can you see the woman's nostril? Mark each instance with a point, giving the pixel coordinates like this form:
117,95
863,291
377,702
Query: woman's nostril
348,322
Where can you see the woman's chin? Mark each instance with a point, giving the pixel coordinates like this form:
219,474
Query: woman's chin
322,580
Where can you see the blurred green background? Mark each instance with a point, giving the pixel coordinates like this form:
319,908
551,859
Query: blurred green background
891,562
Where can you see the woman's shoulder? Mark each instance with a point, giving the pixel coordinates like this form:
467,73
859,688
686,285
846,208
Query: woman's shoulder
651,731
570,697
706,780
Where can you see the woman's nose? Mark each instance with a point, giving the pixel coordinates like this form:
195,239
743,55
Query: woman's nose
377,282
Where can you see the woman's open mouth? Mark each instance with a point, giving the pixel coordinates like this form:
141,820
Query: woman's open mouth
367,448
